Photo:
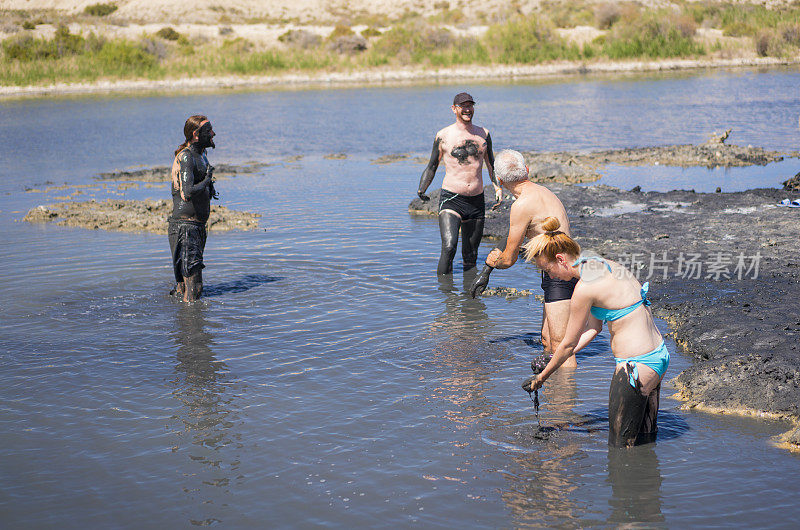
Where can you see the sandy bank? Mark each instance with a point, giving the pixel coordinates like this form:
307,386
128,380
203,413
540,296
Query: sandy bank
378,76
699,250
132,216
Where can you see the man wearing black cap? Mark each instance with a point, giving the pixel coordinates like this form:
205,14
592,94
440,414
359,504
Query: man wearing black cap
463,147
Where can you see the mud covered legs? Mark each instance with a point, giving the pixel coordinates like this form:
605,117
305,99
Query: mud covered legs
449,224
471,234
632,415
193,285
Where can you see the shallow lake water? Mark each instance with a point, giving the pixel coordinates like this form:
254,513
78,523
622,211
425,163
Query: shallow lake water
329,378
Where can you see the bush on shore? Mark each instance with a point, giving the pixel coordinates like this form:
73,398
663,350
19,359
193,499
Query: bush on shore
651,36
100,10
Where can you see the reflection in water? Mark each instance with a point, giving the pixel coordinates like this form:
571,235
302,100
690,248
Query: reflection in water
245,283
206,419
541,491
459,333
635,485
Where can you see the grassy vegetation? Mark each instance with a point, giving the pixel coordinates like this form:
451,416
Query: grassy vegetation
628,32
100,10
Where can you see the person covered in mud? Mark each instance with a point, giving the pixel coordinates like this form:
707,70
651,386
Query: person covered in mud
463,147
533,204
192,191
607,292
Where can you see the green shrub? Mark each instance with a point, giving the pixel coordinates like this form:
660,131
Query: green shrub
120,55
28,24
370,32
238,45
100,10
651,36
568,14
340,31
526,40
27,48
167,33
791,34
768,43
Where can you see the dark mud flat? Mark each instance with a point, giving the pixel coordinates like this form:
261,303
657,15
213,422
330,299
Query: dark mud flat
743,333
132,216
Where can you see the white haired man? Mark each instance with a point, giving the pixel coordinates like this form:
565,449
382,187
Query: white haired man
533,204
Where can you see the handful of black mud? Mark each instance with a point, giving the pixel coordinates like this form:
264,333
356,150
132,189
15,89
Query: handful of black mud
538,365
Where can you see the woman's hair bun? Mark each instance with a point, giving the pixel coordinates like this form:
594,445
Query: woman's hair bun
550,224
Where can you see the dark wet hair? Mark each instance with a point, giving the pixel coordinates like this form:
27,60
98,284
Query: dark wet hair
192,124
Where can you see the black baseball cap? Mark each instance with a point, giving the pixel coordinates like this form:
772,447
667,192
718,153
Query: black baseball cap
463,97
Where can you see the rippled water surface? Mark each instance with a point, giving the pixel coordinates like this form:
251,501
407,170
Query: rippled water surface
328,378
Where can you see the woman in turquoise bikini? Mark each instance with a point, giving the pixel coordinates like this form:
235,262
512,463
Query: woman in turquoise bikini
607,292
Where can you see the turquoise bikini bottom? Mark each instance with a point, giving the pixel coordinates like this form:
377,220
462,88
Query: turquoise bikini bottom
657,359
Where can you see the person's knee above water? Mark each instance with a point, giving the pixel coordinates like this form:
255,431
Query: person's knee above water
192,191
607,292
463,147
533,204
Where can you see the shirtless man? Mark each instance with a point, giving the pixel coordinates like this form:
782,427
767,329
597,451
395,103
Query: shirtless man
463,147
533,204
192,191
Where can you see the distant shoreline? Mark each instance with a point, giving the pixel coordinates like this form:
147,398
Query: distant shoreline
377,76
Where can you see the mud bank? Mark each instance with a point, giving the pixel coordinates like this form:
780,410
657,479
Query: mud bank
162,173
741,326
132,216
581,167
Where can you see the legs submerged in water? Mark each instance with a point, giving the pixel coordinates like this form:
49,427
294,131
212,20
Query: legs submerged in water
449,224
554,327
633,412
471,234
193,284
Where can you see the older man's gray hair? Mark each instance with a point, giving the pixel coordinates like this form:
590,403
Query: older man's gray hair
509,166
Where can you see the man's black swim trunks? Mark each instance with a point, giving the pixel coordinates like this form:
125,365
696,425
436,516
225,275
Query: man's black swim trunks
467,207
187,240
556,290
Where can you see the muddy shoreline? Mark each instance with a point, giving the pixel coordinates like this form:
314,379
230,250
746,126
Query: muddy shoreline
741,332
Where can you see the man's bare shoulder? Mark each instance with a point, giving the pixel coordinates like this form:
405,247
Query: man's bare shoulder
447,132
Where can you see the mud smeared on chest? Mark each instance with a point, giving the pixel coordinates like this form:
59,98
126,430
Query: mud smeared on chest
468,149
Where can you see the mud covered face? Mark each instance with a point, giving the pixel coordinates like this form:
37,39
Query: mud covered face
465,111
205,136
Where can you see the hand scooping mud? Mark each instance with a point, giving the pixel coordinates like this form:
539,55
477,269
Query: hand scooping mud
423,197
480,282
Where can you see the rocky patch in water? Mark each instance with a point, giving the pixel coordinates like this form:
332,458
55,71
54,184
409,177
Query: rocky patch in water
132,216
580,167
509,293
724,270
161,173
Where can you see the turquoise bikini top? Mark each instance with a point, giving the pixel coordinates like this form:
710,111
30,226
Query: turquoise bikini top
607,315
